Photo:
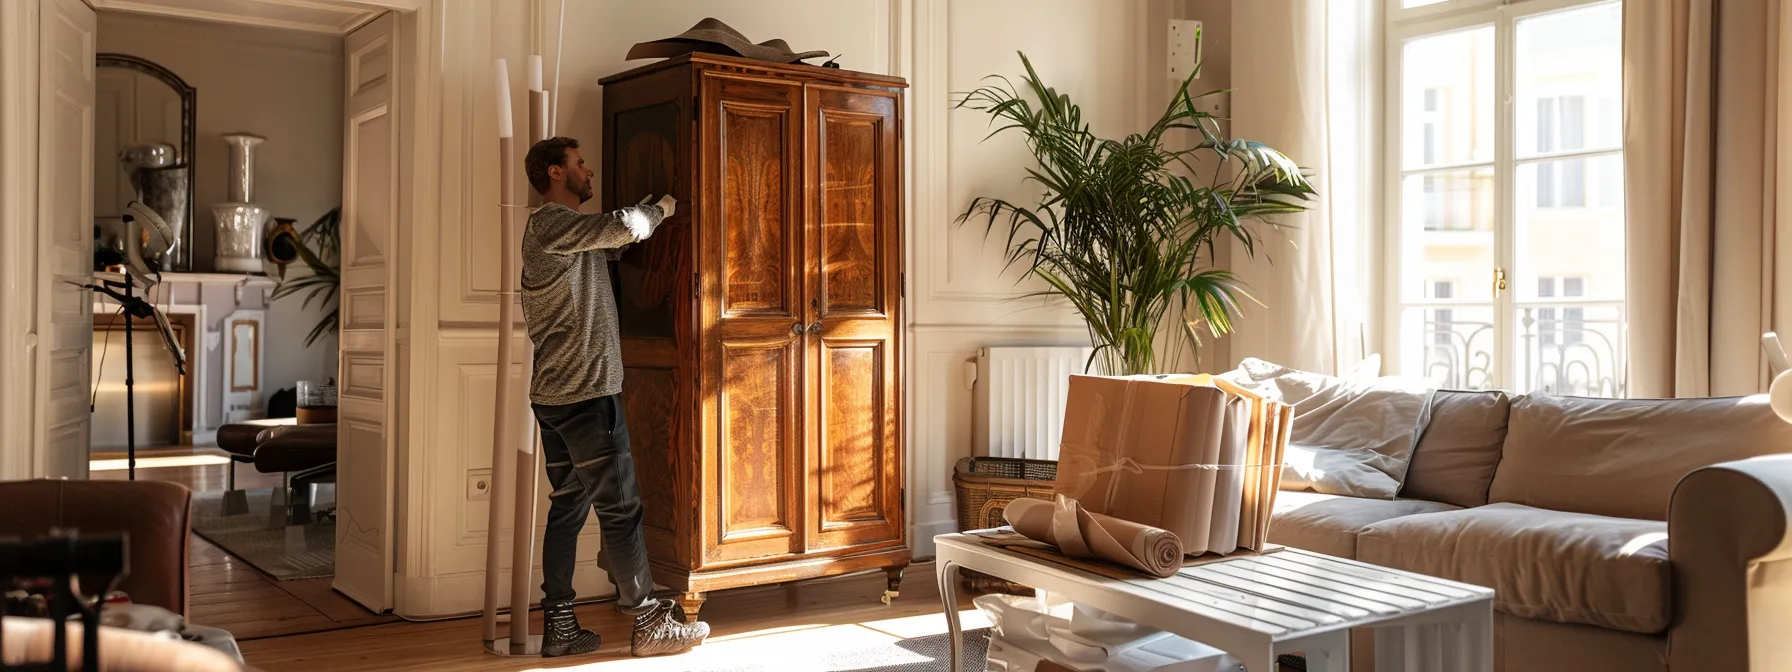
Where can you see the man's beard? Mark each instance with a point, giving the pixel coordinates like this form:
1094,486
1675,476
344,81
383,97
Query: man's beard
582,190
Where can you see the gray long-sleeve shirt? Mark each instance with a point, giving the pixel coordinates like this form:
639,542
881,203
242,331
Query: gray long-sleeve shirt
567,300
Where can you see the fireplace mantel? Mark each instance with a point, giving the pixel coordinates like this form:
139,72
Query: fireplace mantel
242,281
204,301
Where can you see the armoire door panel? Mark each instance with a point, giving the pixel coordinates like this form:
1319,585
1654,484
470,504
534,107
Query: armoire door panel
855,174
647,141
853,192
758,130
850,247
758,452
855,449
752,251
852,464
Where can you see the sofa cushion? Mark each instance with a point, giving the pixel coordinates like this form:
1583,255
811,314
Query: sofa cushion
1622,457
1329,523
1456,456
1548,565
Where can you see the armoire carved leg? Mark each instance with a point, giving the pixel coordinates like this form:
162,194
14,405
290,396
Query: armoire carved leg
894,574
691,602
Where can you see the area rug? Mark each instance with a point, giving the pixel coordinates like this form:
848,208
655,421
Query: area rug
920,654
261,538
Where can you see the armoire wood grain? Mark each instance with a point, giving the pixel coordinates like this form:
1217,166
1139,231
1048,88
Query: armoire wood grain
761,338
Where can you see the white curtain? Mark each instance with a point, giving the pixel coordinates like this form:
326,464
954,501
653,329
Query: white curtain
1708,152
1305,78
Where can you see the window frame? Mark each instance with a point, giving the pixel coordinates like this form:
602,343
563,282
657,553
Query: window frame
1402,26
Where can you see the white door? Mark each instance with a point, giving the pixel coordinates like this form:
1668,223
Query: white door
365,405
65,240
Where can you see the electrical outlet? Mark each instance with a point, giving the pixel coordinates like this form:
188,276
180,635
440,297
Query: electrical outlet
1184,50
479,484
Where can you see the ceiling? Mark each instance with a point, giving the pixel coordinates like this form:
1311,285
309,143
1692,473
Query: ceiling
336,17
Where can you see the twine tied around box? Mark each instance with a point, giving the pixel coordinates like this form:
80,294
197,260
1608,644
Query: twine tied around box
1132,466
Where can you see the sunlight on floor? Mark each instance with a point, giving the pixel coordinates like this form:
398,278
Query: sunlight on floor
800,647
154,462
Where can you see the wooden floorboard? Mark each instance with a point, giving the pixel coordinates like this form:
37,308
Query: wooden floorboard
305,625
454,645
226,592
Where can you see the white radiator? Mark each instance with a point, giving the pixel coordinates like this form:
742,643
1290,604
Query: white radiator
1019,393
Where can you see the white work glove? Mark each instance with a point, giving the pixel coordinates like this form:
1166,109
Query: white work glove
640,225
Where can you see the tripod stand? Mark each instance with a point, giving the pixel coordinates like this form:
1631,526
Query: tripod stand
135,307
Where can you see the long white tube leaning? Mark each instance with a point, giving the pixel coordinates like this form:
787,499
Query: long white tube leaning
528,472
503,477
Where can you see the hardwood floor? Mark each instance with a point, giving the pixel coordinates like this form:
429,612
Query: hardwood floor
226,592
752,626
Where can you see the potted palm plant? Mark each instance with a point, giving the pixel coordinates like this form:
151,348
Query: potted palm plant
1121,230
319,246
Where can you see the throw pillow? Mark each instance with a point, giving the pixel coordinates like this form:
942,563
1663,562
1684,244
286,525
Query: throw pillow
1351,436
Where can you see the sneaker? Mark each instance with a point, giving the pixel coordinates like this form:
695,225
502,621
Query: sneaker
561,634
659,630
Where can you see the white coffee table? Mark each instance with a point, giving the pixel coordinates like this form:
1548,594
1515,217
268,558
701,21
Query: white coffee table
1258,607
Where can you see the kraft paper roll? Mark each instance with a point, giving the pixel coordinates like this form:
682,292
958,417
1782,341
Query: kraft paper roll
1080,534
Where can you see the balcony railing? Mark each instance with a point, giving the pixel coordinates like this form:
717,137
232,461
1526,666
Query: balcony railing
1564,346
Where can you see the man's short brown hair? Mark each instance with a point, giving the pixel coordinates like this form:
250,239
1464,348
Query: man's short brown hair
546,154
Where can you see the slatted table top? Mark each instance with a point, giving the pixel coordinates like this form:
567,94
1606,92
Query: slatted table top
1279,596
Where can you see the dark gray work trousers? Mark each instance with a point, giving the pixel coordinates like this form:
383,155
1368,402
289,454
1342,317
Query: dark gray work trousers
589,464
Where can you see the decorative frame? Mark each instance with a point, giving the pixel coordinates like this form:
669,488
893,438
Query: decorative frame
189,110
243,402
254,338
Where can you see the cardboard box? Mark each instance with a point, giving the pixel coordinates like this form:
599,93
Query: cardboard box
1191,454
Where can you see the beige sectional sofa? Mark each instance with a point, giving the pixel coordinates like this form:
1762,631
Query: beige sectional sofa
1620,535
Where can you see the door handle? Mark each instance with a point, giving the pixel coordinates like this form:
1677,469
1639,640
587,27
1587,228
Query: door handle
815,328
1499,281
797,329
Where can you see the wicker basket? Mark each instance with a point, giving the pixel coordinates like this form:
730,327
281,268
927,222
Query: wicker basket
985,486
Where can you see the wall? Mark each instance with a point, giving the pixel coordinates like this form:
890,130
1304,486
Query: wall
1113,68
959,297
281,84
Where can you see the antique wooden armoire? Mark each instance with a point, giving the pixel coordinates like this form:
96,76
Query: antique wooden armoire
761,329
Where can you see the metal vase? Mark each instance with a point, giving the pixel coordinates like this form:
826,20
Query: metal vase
164,190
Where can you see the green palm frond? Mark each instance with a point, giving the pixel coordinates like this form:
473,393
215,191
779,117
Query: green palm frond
320,286
1120,231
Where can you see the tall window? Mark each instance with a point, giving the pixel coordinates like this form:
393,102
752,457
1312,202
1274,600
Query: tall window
1443,320
1506,173
1561,326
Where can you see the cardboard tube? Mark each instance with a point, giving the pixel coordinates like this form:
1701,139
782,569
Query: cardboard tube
538,115
504,125
499,485
521,428
503,477
528,474
538,130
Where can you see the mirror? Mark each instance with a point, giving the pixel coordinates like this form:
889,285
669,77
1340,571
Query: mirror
143,151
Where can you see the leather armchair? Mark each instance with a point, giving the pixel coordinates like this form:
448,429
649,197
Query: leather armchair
305,454
154,514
